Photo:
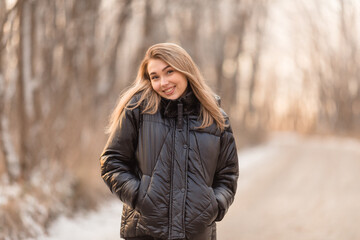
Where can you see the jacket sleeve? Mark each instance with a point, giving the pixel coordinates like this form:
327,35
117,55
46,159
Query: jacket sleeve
227,173
118,162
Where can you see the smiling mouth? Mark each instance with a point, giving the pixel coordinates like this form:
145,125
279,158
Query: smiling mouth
169,91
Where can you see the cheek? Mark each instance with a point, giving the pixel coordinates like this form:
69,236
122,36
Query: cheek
184,82
155,86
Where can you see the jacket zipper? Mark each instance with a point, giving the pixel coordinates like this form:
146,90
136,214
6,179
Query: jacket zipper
186,167
171,186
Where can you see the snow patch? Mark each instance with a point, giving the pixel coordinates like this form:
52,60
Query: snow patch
8,191
102,224
11,156
33,215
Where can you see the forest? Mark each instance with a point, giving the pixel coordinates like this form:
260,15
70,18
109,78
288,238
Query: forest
277,66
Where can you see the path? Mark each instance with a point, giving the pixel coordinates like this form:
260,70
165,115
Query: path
305,189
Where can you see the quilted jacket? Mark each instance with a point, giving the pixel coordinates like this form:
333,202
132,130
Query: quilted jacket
174,179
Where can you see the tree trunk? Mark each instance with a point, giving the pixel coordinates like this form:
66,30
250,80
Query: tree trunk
7,149
21,103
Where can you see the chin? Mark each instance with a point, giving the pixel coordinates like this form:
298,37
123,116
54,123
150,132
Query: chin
172,97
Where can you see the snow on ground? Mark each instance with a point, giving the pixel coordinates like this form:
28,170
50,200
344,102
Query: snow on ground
8,191
103,224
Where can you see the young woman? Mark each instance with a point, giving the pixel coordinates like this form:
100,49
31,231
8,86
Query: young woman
171,157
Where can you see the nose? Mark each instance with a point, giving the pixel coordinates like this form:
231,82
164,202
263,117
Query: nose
164,81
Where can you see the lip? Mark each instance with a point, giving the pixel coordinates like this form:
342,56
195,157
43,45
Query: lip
167,92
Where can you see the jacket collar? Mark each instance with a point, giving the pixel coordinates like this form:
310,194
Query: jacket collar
188,102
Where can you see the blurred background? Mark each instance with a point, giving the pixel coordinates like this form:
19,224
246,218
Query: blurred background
279,66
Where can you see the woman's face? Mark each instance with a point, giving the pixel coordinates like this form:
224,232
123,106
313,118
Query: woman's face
165,80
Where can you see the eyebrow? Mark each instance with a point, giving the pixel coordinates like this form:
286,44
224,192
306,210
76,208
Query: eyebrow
161,70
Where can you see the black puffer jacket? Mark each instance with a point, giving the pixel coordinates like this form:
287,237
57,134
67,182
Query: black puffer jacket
174,179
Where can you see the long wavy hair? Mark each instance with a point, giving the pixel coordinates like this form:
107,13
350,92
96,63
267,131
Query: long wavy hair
181,61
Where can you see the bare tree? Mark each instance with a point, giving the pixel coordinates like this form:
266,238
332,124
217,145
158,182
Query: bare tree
260,25
153,29
334,65
120,26
10,157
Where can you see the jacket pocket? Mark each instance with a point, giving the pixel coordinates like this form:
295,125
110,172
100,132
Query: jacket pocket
214,206
144,186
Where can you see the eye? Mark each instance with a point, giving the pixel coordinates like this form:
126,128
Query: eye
170,71
154,77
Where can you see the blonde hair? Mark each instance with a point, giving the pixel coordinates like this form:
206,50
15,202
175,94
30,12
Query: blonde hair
181,61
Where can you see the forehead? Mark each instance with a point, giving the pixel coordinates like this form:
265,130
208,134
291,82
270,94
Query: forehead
155,65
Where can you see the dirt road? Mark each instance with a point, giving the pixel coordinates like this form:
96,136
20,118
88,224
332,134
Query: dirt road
300,189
